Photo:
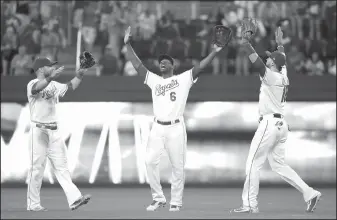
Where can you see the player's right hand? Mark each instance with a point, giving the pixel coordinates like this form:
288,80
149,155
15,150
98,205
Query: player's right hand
56,72
127,35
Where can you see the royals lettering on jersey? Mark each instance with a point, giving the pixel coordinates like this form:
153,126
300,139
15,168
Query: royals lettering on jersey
42,105
169,95
273,92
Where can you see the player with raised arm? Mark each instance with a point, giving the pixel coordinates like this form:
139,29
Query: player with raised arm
169,96
45,139
271,135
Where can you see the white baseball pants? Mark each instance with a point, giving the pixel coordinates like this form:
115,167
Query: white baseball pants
173,139
45,143
269,141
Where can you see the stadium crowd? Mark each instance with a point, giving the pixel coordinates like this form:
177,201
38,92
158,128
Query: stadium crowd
35,28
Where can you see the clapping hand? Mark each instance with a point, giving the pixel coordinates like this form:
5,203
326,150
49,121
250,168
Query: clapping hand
56,72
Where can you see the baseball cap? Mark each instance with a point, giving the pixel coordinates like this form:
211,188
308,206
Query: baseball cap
42,62
165,57
278,57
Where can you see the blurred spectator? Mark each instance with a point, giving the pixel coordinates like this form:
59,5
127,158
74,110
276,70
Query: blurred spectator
220,16
332,67
220,62
314,66
204,35
241,63
178,48
9,46
21,63
109,64
114,29
89,31
147,24
50,42
167,28
56,29
33,43
269,13
295,60
329,15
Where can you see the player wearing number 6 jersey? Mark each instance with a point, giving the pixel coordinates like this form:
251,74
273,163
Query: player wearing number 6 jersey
271,135
169,95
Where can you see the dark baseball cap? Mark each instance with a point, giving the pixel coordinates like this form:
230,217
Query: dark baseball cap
278,58
165,57
42,62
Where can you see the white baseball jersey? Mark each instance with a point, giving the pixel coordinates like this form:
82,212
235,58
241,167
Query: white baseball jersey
169,95
42,105
273,91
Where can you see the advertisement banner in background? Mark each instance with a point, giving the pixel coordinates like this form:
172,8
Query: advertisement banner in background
106,142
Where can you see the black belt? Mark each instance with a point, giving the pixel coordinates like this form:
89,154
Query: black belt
167,122
50,127
276,115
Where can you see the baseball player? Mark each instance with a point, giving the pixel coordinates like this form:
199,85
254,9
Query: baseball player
271,135
168,132
45,140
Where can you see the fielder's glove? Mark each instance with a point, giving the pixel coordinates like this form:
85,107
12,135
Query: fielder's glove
248,28
221,35
86,60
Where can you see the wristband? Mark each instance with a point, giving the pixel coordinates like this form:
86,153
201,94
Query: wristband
79,76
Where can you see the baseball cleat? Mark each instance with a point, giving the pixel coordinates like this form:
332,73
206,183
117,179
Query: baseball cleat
243,209
311,204
174,208
81,201
38,209
155,205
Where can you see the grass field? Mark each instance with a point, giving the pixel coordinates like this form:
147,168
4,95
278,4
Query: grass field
199,203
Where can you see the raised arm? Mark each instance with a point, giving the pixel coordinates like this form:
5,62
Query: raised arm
278,39
254,58
75,82
207,60
132,56
41,84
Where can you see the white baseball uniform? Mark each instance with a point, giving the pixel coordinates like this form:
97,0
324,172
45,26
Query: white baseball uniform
46,142
269,139
169,98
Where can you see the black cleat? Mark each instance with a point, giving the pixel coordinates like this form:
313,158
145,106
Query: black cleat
81,201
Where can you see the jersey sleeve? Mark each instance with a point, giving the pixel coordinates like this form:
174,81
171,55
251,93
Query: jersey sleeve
150,79
188,77
61,88
30,86
272,78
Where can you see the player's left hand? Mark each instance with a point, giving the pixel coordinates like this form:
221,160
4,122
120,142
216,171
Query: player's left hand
216,48
278,36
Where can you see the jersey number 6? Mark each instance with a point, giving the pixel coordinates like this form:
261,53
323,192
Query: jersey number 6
173,96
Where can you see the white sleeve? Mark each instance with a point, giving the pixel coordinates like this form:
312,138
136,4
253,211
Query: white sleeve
30,86
188,77
61,88
150,79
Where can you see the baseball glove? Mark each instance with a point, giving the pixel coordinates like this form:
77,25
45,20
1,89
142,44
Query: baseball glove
221,35
248,28
86,60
